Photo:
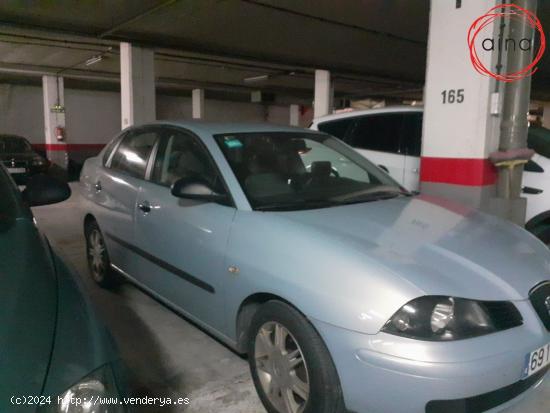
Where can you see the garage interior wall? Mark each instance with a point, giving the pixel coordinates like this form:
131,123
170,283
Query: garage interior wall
93,117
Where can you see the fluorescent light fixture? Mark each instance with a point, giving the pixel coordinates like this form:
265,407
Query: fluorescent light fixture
94,59
256,78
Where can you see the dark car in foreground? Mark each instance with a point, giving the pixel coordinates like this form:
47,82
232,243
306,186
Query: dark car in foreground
55,355
20,159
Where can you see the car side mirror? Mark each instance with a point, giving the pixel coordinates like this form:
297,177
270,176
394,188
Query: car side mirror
197,190
44,190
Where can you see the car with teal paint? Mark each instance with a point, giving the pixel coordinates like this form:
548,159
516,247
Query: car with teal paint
55,354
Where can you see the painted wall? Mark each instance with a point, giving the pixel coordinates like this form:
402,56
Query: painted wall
21,111
93,117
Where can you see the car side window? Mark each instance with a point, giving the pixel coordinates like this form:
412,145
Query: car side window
378,133
412,133
181,155
109,149
532,166
133,153
337,128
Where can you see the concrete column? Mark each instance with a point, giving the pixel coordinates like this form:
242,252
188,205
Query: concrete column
137,85
294,115
461,127
198,103
322,98
54,118
546,115
256,96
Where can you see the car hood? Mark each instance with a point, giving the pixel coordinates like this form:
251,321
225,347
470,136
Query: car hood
82,343
439,247
50,336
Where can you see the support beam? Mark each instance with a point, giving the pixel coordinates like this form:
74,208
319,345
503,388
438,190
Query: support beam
294,115
322,98
515,106
137,85
198,103
459,131
256,96
54,120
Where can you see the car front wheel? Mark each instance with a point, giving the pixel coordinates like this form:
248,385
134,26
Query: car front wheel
290,365
543,233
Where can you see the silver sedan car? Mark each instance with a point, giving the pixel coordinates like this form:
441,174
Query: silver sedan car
347,292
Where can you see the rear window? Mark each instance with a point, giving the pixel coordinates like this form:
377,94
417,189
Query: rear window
14,144
378,132
412,133
337,128
133,153
109,149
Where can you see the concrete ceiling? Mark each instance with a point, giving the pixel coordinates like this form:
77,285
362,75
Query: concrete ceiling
373,47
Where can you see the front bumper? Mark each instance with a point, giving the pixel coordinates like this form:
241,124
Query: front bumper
384,373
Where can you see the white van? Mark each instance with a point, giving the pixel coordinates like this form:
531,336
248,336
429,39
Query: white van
391,137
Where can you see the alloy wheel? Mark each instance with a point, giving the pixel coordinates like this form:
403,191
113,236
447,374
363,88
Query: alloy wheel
96,255
281,368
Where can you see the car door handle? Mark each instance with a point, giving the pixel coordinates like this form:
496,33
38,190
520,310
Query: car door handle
145,207
531,191
384,168
97,186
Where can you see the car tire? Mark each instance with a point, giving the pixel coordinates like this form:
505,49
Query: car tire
542,232
293,372
97,255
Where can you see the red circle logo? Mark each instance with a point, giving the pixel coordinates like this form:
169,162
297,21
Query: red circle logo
512,11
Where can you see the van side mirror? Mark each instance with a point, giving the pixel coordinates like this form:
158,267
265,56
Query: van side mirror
198,190
44,190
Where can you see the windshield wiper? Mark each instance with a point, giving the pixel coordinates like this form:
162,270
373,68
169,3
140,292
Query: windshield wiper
298,205
373,194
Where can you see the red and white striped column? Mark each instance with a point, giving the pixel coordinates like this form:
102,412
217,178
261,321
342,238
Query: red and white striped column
137,85
54,120
461,122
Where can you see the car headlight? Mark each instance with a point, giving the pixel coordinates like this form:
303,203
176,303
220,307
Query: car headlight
440,318
96,393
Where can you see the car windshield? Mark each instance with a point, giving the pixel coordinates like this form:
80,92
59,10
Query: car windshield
291,171
14,144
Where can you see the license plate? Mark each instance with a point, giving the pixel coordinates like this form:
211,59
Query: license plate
17,170
536,360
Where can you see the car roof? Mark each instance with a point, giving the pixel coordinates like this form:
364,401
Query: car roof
215,128
9,136
354,113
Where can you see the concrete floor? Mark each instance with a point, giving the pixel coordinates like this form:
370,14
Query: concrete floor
167,355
